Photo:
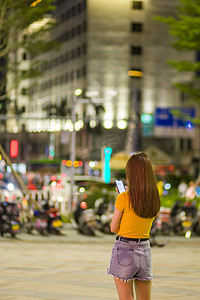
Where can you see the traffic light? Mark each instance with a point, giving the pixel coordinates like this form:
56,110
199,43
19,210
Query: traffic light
14,147
107,170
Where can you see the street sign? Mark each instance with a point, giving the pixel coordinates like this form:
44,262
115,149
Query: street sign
174,122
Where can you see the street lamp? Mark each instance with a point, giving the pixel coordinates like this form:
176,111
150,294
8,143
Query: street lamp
77,93
76,100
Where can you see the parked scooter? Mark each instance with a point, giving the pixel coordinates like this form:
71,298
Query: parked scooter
54,223
41,222
9,219
161,229
196,224
47,219
183,218
84,219
103,216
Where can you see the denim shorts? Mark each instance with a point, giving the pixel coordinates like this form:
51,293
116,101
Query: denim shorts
131,260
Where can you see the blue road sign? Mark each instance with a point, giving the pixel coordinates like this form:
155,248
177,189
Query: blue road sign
174,116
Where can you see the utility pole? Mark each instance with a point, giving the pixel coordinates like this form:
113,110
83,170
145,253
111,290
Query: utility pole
133,139
72,153
137,109
75,100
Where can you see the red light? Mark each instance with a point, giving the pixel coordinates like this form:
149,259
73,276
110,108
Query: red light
83,205
14,148
1,175
171,168
80,163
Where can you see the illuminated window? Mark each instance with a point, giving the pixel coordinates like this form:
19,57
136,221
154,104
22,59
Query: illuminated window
137,4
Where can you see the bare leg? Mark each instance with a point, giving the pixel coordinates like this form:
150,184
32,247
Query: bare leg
124,289
143,290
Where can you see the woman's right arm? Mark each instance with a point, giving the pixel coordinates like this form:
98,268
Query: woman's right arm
115,223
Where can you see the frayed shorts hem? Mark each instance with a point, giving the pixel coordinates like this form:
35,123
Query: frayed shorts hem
125,280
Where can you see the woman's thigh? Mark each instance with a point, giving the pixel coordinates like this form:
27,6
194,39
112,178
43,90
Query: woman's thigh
124,289
143,290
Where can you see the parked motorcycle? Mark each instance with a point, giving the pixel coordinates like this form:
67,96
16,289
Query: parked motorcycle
183,218
103,216
44,219
84,219
54,222
9,219
161,229
196,224
41,222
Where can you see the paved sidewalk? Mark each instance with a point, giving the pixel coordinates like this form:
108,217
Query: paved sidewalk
72,266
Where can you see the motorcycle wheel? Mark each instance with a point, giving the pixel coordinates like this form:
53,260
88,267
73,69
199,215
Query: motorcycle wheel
87,231
158,236
106,229
166,229
12,234
29,229
177,229
196,228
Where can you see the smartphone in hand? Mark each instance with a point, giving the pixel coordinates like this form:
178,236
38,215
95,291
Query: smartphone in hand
120,186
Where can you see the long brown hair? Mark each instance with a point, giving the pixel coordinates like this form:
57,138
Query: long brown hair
142,188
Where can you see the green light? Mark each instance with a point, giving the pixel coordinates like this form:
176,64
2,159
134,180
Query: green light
147,118
107,170
78,92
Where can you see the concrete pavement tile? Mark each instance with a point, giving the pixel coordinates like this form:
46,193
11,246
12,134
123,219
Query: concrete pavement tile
72,267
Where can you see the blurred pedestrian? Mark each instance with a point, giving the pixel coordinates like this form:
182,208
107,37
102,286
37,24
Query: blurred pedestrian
160,186
135,210
182,188
190,192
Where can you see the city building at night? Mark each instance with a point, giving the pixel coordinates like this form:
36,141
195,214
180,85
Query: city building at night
116,54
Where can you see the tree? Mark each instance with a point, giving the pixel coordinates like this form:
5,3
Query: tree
16,31
185,27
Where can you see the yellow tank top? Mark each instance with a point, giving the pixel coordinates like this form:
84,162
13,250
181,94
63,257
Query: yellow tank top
131,226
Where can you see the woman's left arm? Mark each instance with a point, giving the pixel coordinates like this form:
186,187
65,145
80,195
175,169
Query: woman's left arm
115,223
